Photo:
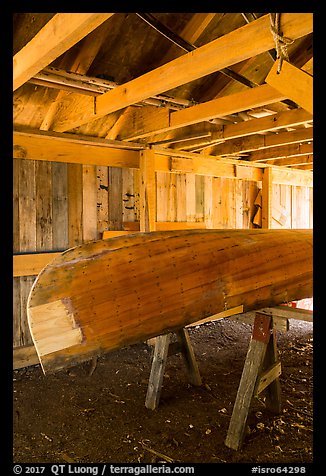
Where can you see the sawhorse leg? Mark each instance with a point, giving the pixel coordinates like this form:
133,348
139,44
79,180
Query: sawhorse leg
163,348
261,372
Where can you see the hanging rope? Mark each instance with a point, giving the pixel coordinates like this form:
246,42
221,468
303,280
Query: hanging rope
281,42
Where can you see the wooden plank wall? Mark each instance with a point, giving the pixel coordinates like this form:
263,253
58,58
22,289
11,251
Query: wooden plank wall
58,205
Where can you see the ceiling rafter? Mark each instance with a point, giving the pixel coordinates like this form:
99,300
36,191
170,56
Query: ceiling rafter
62,32
281,152
190,33
293,117
236,46
261,142
220,107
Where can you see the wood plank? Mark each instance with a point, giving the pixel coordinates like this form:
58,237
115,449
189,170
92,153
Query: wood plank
26,283
267,189
189,358
62,32
147,190
115,198
208,202
102,199
287,176
246,204
27,206
246,390
167,225
15,215
268,377
51,147
111,233
161,197
181,210
89,202
311,208
200,197
16,313
239,205
75,205
157,371
128,195
59,206
280,324
172,197
27,237
191,197
269,380
43,178
200,165
31,264
261,142
221,315
293,161
290,313
295,83
218,54
217,201
25,356
281,152
294,117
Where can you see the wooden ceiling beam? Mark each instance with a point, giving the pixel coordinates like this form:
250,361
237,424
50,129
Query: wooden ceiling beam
292,118
307,167
259,142
190,33
69,148
293,161
216,55
79,64
62,32
154,121
281,152
295,83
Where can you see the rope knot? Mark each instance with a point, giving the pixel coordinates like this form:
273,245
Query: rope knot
281,42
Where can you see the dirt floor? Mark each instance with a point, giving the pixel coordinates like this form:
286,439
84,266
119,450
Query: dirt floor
72,416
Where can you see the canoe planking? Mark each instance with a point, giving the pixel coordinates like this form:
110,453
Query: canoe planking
107,294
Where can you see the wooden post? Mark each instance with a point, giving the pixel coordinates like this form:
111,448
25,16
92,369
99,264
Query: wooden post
164,348
261,352
267,189
157,371
147,190
273,367
189,357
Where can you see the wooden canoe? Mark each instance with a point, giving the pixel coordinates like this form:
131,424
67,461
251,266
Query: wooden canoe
107,294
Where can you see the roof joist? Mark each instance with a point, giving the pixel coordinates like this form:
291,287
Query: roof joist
148,122
214,56
62,32
261,142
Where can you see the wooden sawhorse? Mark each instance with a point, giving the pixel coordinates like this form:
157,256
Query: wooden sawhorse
163,348
261,372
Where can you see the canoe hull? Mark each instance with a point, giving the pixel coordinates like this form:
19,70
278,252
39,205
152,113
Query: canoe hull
107,294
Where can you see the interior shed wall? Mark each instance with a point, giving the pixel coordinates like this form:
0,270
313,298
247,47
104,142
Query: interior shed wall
59,205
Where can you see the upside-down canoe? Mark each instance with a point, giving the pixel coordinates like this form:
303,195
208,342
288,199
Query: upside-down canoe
108,294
